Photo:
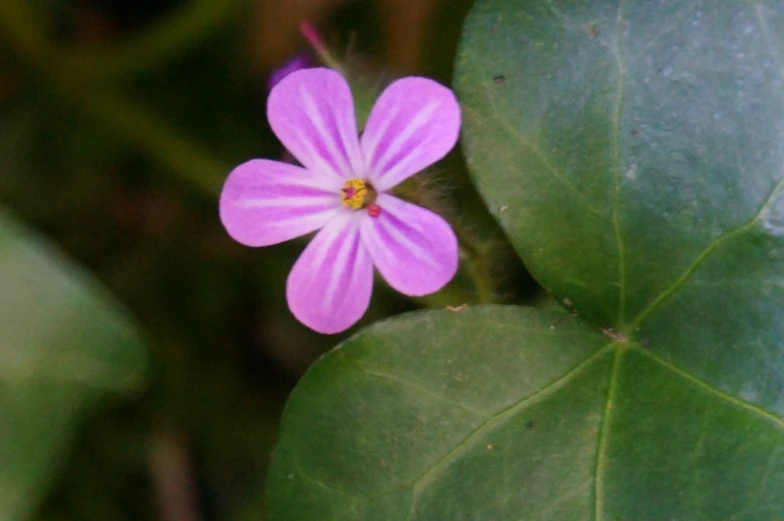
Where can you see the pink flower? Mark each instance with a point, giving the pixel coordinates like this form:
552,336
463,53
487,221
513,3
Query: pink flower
341,191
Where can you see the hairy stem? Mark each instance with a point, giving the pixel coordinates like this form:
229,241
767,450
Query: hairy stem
477,265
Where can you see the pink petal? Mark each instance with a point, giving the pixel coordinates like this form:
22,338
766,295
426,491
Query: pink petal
266,202
414,123
329,287
312,113
298,62
414,249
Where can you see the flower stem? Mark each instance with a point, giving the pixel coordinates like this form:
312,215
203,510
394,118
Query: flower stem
477,265
166,39
471,251
316,42
23,30
135,123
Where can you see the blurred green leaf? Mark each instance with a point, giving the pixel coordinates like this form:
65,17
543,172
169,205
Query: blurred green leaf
64,346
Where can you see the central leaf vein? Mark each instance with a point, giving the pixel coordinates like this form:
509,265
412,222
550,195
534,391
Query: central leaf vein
617,168
601,450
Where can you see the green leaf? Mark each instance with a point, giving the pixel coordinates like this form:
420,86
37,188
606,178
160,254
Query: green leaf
633,153
64,346
637,150
509,413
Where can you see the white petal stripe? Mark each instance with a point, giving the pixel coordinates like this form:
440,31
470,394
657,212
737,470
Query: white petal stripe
341,259
282,202
329,286
372,136
309,104
307,221
309,156
312,113
414,249
413,124
422,117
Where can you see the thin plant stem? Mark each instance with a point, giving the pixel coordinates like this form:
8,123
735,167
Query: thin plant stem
127,119
170,37
137,124
477,265
21,27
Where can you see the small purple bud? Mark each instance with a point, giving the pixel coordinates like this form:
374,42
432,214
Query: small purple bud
302,60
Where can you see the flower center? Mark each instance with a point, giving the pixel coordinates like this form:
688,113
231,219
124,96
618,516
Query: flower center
357,194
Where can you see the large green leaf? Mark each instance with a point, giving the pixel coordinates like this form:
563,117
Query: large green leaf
505,413
634,154
64,345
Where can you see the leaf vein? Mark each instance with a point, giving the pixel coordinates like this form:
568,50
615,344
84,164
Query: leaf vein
526,143
709,249
304,476
768,40
650,43
616,217
602,442
500,417
737,402
415,386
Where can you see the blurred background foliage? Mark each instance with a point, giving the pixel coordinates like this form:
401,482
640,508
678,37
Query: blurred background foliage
119,121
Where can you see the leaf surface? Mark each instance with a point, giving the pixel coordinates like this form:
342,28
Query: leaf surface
64,345
511,413
636,149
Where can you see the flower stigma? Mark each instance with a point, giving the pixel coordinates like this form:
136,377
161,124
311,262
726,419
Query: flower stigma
358,194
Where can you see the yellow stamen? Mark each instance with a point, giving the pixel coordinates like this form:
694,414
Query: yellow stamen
357,194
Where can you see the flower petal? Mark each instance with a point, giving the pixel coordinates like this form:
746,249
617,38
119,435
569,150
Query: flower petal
266,202
329,286
414,249
414,123
300,61
312,113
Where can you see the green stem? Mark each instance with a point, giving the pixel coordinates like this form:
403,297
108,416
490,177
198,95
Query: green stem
129,120
477,265
451,295
21,27
136,124
166,39
471,252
